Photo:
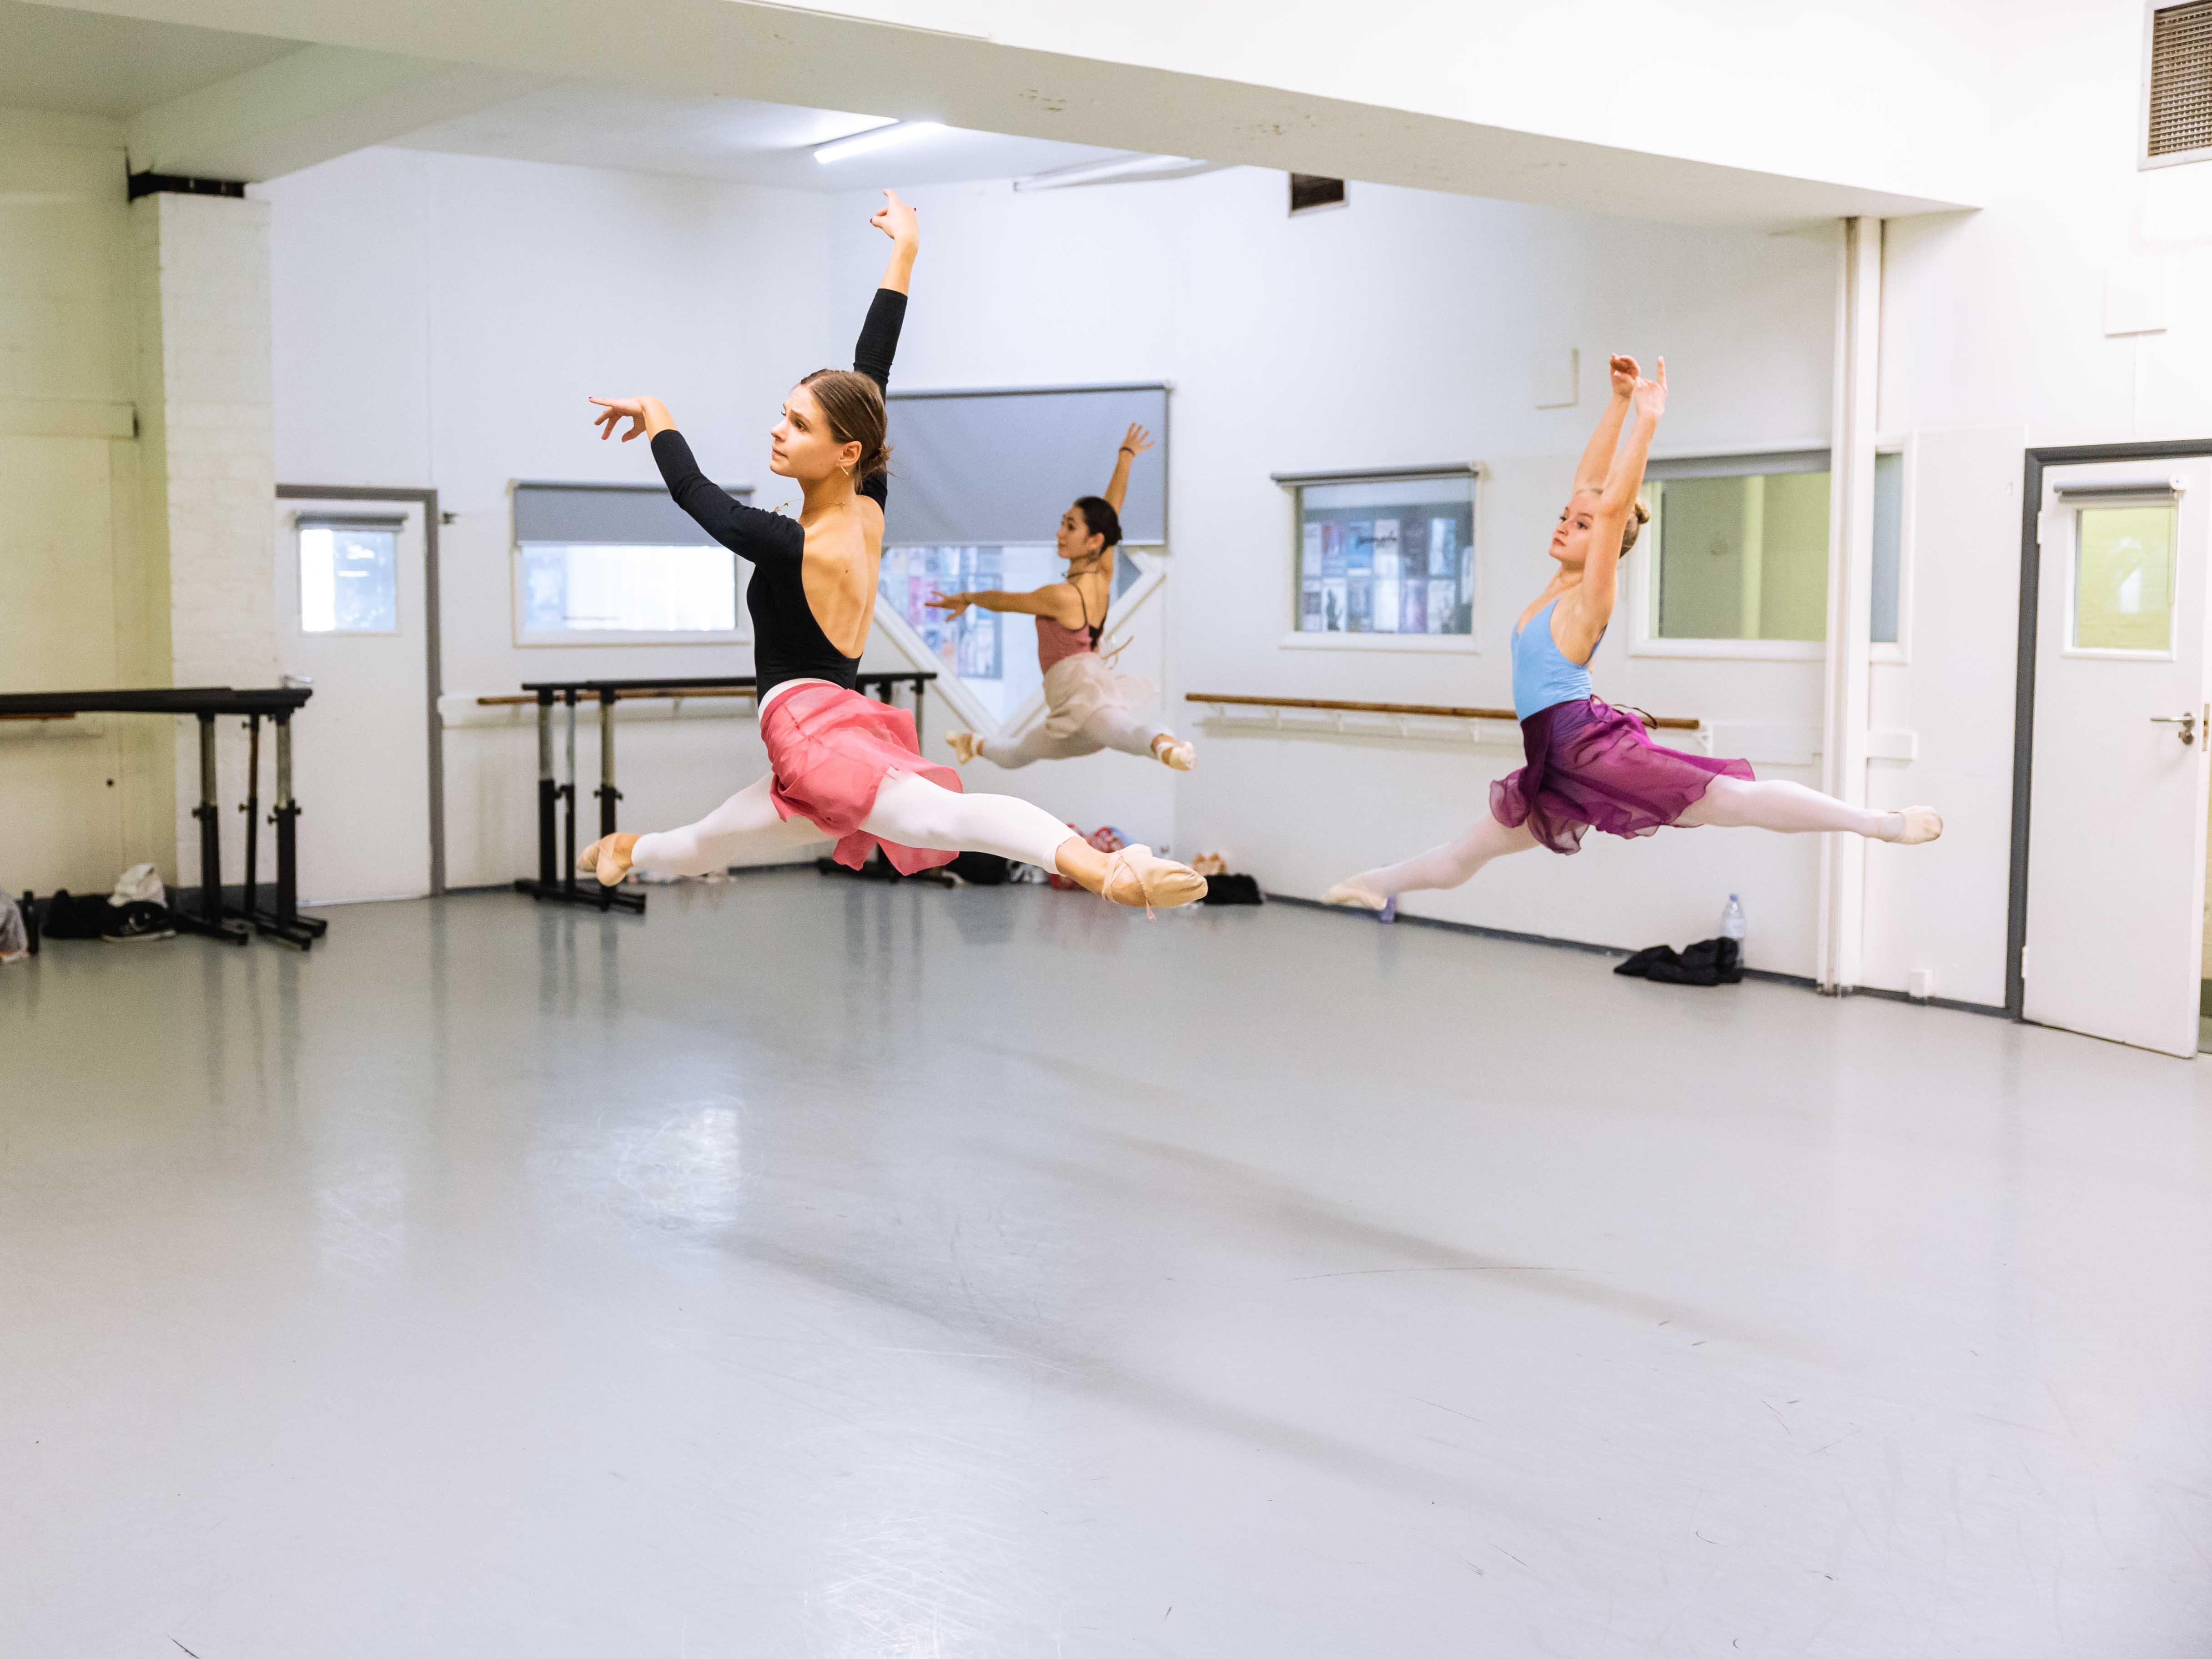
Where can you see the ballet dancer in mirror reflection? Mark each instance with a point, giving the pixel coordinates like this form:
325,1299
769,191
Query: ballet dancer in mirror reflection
1087,706
842,765
1589,765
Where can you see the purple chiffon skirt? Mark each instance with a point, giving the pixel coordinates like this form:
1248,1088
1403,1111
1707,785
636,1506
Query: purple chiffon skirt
1590,766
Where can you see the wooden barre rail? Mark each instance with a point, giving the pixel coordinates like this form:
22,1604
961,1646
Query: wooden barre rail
1674,723
625,696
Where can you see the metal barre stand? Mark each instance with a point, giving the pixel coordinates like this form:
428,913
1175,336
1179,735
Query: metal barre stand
557,837
208,703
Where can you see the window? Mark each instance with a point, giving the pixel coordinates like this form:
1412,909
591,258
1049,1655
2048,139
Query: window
618,563
628,590
2177,85
1738,549
2123,588
1888,584
1384,555
992,653
350,575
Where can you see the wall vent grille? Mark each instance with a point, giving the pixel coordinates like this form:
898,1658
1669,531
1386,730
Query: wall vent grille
2180,100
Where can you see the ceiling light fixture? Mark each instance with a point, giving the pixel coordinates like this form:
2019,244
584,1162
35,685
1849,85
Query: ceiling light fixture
1114,169
860,144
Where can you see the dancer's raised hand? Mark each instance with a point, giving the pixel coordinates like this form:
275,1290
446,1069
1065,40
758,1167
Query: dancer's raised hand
1624,374
615,411
1652,395
1138,442
896,220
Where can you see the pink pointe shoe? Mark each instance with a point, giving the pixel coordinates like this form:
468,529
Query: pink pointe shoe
1346,896
1134,877
607,858
963,746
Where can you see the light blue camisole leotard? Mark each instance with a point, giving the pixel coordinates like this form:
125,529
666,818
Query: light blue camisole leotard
1542,675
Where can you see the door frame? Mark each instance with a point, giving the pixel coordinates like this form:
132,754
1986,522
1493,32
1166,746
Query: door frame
433,666
2023,720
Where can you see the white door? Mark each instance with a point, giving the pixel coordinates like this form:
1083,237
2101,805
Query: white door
2117,814
351,581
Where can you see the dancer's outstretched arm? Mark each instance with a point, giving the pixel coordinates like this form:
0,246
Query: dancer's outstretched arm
1586,608
1054,600
1596,465
1135,444
763,538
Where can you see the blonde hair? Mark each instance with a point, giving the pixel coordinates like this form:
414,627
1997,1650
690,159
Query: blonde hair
1634,527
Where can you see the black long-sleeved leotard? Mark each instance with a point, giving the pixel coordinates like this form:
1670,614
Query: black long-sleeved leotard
788,643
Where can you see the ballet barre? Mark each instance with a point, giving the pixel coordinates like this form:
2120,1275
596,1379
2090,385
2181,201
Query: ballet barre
209,917
1441,711
556,800
1326,716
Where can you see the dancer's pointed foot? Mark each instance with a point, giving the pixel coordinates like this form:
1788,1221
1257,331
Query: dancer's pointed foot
1917,824
964,745
1352,896
607,858
1134,877
1174,753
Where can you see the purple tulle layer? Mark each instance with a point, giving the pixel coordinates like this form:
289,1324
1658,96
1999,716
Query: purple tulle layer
1591,767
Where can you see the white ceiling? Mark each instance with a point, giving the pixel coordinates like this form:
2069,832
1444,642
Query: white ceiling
732,139
83,63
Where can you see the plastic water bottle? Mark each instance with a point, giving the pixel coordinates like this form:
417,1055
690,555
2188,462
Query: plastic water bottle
1732,923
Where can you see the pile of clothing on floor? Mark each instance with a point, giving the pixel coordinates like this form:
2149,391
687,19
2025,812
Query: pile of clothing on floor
137,909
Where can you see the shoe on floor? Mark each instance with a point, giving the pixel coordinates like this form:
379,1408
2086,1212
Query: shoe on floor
964,745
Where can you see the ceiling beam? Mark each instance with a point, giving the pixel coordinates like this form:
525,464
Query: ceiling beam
846,59
319,103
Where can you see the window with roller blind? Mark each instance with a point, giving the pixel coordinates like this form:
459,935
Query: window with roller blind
620,565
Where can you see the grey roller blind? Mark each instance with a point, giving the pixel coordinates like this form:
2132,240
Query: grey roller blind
619,515
988,467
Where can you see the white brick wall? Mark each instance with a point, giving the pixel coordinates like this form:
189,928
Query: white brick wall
202,268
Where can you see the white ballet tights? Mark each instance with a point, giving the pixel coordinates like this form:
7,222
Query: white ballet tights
1447,866
1108,728
1792,808
1728,803
909,810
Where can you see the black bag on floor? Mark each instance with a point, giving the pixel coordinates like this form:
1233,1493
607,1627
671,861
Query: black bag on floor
983,869
1709,962
1233,889
65,915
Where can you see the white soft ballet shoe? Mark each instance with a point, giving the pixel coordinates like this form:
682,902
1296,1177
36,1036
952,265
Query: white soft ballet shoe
964,745
607,858
1134,877
1177,755
1922,824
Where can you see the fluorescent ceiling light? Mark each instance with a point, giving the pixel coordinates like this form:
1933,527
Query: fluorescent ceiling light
1113,168
875,138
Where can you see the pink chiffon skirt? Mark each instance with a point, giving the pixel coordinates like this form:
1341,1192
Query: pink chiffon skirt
830,749
1591,767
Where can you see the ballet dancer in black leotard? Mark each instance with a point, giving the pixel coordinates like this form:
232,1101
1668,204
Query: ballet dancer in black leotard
842,765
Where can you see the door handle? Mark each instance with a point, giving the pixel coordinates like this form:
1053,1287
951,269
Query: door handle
2186,722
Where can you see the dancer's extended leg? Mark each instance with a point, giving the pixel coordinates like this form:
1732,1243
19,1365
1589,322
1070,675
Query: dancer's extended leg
1792,808
744,826
1117,728
1033,744
1440,866
915,812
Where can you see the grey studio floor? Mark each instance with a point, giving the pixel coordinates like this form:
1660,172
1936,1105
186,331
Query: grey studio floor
816,1268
